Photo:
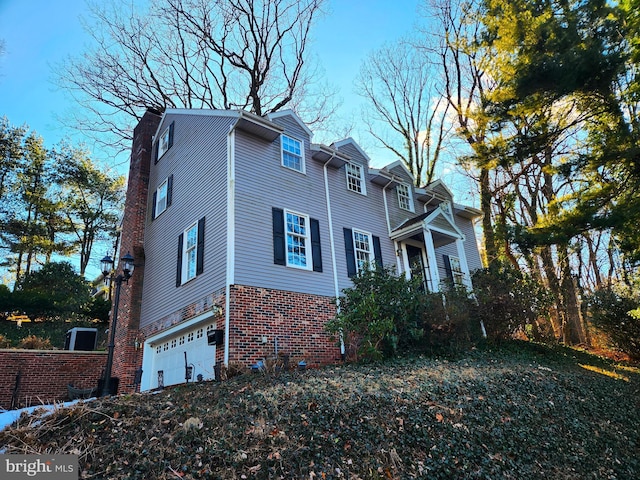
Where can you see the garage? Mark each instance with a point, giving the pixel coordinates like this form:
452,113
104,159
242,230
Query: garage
167,356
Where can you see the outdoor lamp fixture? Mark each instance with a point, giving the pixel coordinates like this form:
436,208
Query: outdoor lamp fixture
107,270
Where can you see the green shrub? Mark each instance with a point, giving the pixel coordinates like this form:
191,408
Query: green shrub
612,311
448,322
380,315
510,301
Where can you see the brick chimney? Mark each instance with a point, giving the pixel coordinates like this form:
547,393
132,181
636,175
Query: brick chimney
128,340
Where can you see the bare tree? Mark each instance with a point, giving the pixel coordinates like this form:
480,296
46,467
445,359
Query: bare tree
399,83
245,54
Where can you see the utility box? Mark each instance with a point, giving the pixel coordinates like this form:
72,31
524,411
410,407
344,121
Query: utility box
215,337
80,338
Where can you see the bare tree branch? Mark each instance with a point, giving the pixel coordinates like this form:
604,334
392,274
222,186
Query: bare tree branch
238,54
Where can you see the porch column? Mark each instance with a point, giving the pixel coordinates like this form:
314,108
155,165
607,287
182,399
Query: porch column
431,257
463,263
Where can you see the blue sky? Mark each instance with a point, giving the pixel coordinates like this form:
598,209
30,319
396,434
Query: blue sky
39,34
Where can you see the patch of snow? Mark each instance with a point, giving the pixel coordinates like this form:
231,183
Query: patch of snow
7,417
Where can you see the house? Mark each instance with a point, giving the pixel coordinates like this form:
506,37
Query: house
245,232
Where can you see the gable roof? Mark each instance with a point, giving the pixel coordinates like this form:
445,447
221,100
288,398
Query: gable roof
290,113
400,164
350,141
434,219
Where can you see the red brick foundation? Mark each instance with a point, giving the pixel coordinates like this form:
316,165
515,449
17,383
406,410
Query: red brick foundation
293,321
44,375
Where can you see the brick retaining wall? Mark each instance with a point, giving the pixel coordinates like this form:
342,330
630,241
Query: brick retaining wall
44,374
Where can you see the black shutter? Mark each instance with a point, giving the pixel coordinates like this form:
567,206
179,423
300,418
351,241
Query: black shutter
153,205
351,256
200,248
179,262
277,215
155,155
447,267
169,190
377,250
316,251
170,135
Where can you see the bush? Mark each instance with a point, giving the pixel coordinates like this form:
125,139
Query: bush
447,319
510,301
5,342
612,311
35,343
380,315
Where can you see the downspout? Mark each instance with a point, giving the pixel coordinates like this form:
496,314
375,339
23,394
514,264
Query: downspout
386,214
332,243
386,206
230,264
424,205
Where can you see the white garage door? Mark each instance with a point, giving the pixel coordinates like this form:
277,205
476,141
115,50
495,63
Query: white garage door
169,357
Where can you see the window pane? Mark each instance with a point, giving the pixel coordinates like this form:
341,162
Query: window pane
161,203
295,224
192,237
354,181
291,153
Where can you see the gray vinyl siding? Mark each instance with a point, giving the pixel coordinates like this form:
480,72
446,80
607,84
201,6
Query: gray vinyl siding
474,262
398,215
262,183
355,211
354,154
197,161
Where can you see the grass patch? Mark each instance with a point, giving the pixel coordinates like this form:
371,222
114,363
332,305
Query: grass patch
520,411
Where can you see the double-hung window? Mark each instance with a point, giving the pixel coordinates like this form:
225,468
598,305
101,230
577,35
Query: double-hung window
296,240
165,142
162,197
404,197
297,234
355,178
292,153
362,248
456,270
190,253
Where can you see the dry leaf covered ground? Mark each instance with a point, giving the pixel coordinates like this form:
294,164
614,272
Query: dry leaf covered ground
518,412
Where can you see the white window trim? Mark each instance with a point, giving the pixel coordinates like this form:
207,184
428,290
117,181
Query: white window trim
185,254
303,168
369,252
164,184
363,185
409,197
163,142
306,238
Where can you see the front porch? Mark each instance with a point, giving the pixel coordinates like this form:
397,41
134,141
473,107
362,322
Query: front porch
432,246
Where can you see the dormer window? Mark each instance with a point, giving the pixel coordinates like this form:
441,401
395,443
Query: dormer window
355,178
292,153
405,200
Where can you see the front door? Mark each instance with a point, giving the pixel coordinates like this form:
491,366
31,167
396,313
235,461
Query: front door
416,264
